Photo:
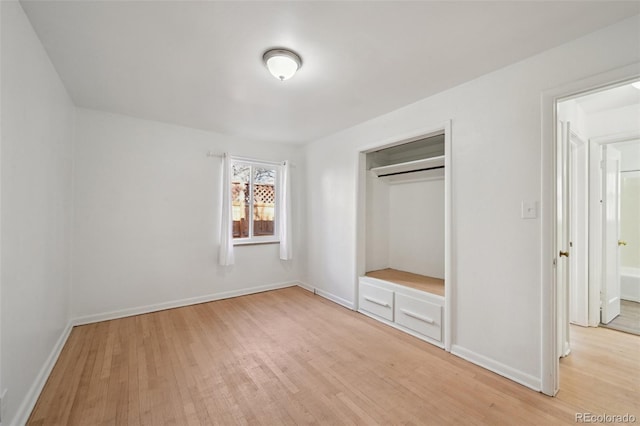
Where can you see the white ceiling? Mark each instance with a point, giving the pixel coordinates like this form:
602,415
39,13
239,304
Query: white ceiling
617,97
198,64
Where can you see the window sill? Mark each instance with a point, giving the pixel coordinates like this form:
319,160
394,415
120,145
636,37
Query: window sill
255,242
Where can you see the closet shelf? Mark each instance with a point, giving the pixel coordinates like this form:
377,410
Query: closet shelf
410,166
412,171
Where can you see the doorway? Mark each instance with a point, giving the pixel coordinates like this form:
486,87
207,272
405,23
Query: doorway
598,158
597,211
550,363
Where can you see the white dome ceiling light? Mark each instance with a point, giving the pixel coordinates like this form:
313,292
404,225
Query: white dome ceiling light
282,63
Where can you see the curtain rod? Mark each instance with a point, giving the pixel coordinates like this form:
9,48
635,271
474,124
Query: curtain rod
248,159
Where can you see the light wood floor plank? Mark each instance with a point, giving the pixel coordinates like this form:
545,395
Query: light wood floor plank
629,318
289,357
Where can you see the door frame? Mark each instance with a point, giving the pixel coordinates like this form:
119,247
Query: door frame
550,378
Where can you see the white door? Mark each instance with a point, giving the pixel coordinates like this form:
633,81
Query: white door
610,290
563,225
579,231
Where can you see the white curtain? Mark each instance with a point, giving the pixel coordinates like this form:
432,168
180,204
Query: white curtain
284,213
226,231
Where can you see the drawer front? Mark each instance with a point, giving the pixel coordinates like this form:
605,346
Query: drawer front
419,315
376,300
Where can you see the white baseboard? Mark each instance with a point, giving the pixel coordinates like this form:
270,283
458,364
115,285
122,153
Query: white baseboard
88,319
24,411
630,297
333,298
29,401
517,376
306,287
339,300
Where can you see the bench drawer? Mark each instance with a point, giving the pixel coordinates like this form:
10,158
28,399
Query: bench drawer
376,300
419,315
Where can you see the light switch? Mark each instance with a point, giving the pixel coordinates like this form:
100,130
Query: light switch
529,210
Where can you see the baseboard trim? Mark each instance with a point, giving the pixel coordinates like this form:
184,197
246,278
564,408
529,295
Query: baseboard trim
89,319
334,298
510,373
630,297
29,401
306,286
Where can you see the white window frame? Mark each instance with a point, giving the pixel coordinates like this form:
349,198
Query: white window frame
268,239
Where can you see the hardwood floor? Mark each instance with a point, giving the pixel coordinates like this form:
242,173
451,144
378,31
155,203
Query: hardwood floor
289,357
602,372
629,318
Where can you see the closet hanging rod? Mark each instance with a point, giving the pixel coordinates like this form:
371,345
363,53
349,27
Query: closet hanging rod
412,171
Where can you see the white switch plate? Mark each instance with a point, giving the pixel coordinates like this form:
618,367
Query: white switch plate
529,210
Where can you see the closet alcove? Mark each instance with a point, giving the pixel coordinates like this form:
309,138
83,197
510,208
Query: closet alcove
403,251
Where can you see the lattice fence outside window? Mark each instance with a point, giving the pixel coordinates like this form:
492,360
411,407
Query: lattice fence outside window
263,209
264,194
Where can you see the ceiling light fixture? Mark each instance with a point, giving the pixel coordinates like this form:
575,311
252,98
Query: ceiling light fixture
636,84
282,63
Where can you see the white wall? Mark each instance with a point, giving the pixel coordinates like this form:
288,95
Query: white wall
37,130
614,121
416,222
496,164
1,135
405,226
147,216
377,230
630,152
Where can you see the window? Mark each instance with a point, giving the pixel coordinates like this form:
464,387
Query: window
253,199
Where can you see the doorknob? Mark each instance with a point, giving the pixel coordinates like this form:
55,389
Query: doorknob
564,253
622,243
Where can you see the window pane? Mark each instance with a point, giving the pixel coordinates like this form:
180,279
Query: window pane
264,197
240,200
